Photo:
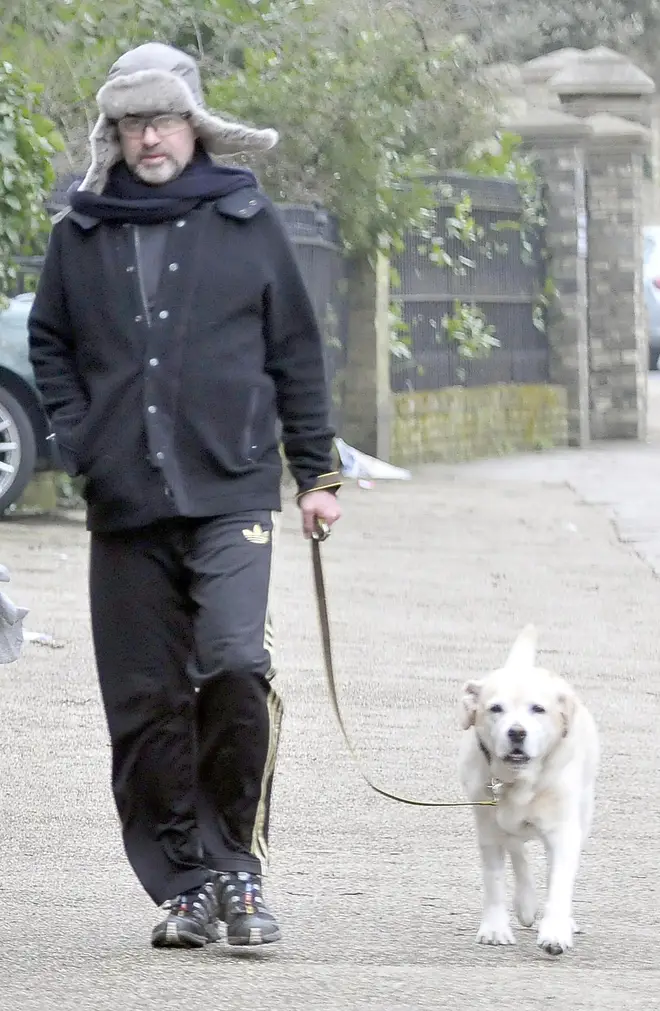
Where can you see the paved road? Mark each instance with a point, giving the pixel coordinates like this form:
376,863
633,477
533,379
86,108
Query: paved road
379,903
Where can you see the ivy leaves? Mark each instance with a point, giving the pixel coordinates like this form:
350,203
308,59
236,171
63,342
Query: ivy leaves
363,116
27,143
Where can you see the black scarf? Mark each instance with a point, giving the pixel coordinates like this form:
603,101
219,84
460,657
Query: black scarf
126,199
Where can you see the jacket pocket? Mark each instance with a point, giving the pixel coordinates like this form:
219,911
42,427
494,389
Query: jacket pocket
248,444
69,443
231,438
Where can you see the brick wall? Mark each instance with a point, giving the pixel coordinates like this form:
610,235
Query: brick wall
462,424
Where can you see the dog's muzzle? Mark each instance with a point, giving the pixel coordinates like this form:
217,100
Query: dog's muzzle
517,755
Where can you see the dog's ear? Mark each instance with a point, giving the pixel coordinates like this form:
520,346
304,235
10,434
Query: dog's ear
471,692
567,704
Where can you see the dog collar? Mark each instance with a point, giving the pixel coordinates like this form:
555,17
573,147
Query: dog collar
494,786
484,750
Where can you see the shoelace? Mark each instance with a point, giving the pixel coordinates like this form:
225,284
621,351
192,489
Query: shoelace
189,901
241,894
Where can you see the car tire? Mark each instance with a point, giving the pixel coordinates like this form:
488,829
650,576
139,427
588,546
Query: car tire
18,449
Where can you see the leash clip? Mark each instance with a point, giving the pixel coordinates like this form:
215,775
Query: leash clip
495,788
321,531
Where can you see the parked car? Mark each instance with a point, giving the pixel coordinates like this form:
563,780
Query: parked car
652,290
24,430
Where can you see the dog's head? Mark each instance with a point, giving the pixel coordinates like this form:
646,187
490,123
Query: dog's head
520,712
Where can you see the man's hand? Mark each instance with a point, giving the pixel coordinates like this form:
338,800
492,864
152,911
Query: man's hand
318,505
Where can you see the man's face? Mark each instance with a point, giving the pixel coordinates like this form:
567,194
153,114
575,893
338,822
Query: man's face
156,148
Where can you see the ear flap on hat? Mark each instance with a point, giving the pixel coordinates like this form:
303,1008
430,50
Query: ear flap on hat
106,152
222,137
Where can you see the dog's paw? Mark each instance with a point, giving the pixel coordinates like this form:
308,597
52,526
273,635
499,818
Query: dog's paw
495,929
555,935
525,905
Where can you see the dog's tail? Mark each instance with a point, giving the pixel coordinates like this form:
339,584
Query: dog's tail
523,651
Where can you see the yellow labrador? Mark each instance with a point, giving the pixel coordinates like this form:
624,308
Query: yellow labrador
532,744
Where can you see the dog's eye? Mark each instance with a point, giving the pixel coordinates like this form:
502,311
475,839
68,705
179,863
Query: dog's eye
495,708
537,709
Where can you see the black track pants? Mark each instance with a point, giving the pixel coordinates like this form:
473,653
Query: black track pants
183,643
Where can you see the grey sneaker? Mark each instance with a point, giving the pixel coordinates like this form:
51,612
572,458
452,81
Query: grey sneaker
242,908
192,920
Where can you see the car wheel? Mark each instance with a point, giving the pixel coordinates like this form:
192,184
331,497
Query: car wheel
18,449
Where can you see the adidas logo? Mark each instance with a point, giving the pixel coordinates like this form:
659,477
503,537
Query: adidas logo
257,535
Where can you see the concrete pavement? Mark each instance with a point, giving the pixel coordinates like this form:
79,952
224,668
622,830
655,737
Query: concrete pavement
429,583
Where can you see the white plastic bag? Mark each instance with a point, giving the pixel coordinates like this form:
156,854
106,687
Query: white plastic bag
11,624
360,465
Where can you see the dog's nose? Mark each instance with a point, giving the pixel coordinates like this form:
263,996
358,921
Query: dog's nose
517,734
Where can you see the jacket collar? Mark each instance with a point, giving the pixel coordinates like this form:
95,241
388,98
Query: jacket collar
242,205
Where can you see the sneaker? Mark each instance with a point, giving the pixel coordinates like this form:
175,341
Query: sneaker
242,908
191,921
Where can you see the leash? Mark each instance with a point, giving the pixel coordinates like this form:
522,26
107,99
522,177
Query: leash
321,533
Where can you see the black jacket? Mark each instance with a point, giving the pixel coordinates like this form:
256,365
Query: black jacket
172,410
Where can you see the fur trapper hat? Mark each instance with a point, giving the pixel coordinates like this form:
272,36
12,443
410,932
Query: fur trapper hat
157,78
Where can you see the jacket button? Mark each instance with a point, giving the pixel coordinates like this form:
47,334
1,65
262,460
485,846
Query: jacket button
163,314
174,266
153,362
129,270
138,319
160,456
152,409
252,203
180,224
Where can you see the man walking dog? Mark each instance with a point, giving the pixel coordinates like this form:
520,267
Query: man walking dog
169,333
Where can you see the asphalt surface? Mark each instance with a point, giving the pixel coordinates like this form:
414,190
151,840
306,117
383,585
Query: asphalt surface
429,583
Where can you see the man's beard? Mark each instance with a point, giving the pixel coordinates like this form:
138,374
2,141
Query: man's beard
161,172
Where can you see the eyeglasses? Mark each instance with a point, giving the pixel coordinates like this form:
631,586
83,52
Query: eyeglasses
165,123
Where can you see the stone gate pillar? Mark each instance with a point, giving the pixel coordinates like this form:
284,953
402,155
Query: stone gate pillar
367,409
557,143
613,97
618,332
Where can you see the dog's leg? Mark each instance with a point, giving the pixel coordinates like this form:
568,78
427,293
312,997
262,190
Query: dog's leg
563,851
576,928
586,818
524,899
495,927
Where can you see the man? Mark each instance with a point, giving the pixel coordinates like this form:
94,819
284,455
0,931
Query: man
169,332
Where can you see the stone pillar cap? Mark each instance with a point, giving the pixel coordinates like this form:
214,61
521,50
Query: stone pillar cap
547,123
542,68
601,71
612,128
